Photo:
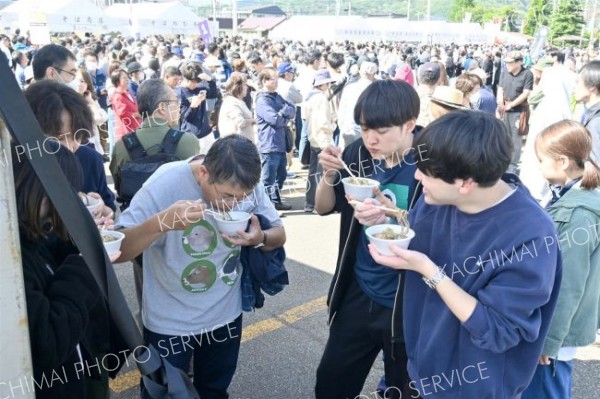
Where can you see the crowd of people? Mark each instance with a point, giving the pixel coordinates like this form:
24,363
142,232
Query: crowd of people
494,154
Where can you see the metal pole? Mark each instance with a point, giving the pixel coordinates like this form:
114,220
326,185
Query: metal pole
429,10
16,372
591,43
408,10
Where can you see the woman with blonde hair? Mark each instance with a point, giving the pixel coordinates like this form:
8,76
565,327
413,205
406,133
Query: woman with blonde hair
235,117
564,153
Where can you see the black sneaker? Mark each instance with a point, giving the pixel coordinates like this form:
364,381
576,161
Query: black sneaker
281,206
309,209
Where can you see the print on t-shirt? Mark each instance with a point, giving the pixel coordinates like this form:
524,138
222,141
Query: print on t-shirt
232,268
200,240
199,276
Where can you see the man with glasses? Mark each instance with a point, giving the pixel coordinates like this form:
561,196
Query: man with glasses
192,271
159,107
56,63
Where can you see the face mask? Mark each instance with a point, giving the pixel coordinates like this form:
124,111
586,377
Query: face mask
74,84
91,66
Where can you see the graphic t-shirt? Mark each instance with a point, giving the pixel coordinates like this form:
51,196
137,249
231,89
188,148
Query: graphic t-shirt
380,282
191,277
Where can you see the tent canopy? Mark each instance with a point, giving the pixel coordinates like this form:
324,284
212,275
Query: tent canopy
157,18
58,16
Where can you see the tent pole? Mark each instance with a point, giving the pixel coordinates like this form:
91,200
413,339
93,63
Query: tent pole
16,375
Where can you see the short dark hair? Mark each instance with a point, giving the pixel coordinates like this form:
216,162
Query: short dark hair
115,77
244,172
172,71
312,57
190,71
51,55
30,193
590,74
255,59
154,64
48,99
560,56
335,60
465,144
386,103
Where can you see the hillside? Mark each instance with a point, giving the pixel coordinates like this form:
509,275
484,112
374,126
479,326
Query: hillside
440,9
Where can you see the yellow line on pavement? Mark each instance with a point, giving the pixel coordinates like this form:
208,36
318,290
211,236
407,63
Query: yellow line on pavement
131,379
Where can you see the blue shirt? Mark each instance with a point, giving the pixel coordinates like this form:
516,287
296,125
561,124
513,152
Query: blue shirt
99,82
94,176
507,257
380,283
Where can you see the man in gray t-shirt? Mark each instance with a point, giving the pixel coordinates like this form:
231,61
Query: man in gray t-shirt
192,293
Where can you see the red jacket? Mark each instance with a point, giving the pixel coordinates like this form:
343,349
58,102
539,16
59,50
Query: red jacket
124,107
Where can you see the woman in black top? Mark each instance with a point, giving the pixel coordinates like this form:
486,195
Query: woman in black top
64,307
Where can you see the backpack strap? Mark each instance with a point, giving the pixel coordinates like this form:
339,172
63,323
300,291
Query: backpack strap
170,141
133,146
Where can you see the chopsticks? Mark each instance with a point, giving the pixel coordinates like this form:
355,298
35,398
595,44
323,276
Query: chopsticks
339,157
383,208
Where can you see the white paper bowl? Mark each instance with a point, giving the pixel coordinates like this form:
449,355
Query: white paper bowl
359,192
383,245
91,203
112,246
230,227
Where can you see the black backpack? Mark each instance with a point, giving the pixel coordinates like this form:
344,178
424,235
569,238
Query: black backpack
141,166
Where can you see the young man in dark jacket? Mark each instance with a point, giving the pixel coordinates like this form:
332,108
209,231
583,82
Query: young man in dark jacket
272,115
365,299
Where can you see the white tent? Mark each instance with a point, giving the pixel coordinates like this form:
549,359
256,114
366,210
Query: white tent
58,16
357,28
157,18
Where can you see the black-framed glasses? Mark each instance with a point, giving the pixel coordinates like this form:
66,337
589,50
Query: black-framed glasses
73,74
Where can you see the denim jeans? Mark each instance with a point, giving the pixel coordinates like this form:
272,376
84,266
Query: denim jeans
551,382
215,356
303,139
273,174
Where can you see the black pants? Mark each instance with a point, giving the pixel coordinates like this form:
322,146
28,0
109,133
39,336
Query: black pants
215,356
315,173
359,331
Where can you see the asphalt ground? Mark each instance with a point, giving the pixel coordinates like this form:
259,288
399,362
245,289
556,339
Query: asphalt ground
282,343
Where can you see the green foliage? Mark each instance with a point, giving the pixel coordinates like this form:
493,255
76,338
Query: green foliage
459,8
537,15
567,19
452,10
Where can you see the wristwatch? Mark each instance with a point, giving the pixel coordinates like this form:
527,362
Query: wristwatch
437,278
263,242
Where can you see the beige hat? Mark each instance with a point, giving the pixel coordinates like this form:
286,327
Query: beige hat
480,73
448,96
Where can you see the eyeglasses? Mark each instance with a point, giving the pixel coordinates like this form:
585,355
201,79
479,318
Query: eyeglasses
67,72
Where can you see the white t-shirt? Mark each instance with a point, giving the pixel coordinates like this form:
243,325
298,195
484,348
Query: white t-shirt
191,277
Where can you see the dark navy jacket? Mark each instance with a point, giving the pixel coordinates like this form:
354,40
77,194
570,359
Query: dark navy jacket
263,271
195,120
272,116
